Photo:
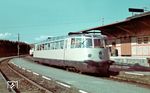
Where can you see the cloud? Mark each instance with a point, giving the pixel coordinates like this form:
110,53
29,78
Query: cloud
5,35
43,37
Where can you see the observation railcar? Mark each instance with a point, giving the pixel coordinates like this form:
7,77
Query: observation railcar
85,53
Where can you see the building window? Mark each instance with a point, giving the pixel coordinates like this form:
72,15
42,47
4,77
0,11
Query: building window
145,40
139,40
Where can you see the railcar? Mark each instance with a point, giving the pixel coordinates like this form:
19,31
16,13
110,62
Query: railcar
86,53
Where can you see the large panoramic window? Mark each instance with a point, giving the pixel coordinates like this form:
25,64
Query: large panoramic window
98,43
88,43
76,42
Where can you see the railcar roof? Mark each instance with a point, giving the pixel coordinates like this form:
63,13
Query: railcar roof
58,38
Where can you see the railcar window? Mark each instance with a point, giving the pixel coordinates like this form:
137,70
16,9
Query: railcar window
45,46
42,47
56,45
98,43
38,47
78,43
66,44
52,45
49,46
62,44
72,42
88,43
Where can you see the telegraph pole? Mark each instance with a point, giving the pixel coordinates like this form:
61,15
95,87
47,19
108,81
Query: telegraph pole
18,47
102,21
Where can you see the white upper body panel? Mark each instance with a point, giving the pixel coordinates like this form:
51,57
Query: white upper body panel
74,48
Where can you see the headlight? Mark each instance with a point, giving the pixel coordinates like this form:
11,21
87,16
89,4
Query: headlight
89,55
100,54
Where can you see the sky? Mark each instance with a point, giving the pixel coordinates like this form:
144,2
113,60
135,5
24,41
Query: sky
36,20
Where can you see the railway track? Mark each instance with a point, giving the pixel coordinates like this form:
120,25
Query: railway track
19,83
31,82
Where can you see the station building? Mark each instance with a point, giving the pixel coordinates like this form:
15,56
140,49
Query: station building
128,40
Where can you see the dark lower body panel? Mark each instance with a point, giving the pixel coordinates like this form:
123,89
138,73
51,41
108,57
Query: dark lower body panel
100,68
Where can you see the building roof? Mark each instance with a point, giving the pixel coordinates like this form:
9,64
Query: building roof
132,26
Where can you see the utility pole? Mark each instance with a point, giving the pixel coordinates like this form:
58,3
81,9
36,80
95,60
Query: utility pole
102,21
18,47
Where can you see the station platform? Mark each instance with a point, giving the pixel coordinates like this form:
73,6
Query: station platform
138,60
138,77
137,73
